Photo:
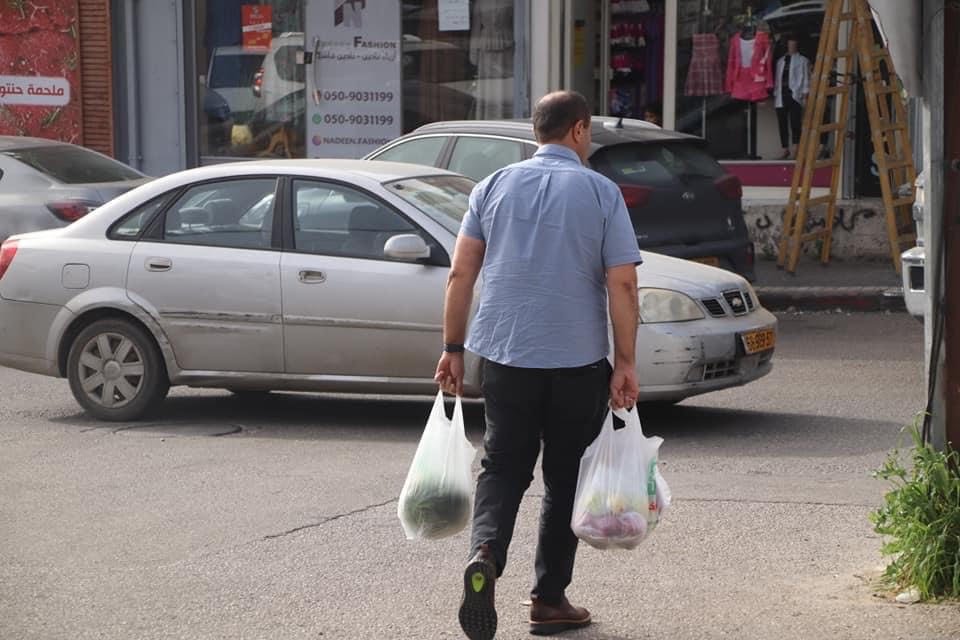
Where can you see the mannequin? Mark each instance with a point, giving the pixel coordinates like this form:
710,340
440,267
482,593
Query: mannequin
792,87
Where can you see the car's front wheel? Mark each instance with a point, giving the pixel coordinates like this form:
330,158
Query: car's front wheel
116,372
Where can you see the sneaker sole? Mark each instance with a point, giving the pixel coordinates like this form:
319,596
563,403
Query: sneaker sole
556,626
478,614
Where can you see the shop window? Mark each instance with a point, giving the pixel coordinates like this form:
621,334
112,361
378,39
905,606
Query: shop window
735,85
251,78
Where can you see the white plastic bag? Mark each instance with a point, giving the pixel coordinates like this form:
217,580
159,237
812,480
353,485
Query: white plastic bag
436,499
620,492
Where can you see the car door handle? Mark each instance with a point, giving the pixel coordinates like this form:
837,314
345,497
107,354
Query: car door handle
159,264
312,277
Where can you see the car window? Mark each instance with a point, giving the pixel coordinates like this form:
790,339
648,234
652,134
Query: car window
646,163
444,199
234,213
477,158
424,151
73,165
336,220
233,70
131,225
285,61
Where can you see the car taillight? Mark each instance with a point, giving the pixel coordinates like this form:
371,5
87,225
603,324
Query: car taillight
71,210
258,83
7,250
635,196
729,187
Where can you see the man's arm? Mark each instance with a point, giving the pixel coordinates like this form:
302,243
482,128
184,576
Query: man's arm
467,261
624,312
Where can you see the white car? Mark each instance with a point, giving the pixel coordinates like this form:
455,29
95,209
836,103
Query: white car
307,275
912,261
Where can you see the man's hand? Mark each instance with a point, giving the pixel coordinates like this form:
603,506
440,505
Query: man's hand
450,373
623,388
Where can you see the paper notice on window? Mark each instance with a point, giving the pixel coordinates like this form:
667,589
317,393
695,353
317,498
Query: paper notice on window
454,15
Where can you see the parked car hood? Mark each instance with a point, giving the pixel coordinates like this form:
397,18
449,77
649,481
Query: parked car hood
692,278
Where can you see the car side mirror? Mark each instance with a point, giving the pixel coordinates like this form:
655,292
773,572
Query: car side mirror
407,246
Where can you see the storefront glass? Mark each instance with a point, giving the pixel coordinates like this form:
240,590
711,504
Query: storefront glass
743,72
322,78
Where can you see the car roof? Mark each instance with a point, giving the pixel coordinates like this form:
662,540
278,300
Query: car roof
605,131
376,170
8,143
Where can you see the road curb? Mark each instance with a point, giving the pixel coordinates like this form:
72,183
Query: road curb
831,298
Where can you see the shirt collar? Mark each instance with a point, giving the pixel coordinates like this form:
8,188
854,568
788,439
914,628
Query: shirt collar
558,150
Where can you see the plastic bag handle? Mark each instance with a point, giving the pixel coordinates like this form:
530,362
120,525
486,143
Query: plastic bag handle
629,417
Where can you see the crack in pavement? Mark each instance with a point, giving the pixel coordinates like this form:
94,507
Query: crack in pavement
331,519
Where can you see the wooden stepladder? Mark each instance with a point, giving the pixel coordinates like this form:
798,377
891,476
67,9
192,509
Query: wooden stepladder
834,75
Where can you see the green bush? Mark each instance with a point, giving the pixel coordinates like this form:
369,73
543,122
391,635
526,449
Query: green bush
921,519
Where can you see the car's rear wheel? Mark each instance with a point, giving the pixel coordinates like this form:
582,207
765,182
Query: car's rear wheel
116,371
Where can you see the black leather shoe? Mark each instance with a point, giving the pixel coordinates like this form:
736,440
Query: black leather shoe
547,620
478,613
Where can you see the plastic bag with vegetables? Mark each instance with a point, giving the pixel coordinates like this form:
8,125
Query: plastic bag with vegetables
620,492
436,499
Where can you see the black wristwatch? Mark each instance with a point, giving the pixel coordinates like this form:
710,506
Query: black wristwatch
453,348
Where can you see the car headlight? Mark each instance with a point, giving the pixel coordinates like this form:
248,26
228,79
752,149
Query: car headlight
663,305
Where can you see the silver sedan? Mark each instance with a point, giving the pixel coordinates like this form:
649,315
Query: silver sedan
306,275
46,184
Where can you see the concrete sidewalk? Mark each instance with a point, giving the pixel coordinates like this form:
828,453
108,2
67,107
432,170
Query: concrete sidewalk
850,285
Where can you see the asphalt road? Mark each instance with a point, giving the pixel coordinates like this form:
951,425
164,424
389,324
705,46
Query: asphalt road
276,519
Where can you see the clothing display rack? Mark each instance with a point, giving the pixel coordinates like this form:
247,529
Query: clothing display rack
888,127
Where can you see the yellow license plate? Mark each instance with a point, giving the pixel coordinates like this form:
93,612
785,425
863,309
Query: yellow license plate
760,340
710,260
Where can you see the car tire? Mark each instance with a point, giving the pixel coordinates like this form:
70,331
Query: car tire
116,371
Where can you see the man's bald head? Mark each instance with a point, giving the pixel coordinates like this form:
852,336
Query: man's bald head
556,113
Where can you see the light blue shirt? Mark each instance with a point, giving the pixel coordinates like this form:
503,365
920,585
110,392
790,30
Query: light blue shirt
552,228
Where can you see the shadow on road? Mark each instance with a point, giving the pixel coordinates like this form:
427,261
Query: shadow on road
318,416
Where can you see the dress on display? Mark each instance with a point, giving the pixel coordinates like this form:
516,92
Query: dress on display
705,77
750,68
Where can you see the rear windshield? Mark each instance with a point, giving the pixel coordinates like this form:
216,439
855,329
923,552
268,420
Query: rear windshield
229,71
73,165
645,163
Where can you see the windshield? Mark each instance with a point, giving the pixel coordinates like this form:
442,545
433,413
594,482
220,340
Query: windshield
443,198
73,165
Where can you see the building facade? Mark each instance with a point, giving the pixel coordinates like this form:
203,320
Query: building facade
183,83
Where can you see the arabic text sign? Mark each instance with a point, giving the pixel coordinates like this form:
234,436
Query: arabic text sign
355,90
34,90
454,15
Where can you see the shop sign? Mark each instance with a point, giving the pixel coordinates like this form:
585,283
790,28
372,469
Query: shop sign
34,90
354,80
257,26
454,15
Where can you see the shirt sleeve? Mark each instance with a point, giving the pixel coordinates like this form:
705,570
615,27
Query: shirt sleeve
470,225
619,239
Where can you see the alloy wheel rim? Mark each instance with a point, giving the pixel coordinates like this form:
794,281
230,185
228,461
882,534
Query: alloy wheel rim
111,370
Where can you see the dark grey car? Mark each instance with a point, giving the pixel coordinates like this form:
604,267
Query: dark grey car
46,184
681,201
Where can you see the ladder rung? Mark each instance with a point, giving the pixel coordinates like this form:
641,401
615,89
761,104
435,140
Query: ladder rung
823,164
833,126
901,202
813,235
882,91
837,90
844,53
893,164
827,199
893,126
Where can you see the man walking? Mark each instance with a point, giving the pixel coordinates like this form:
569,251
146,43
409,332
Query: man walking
552,238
